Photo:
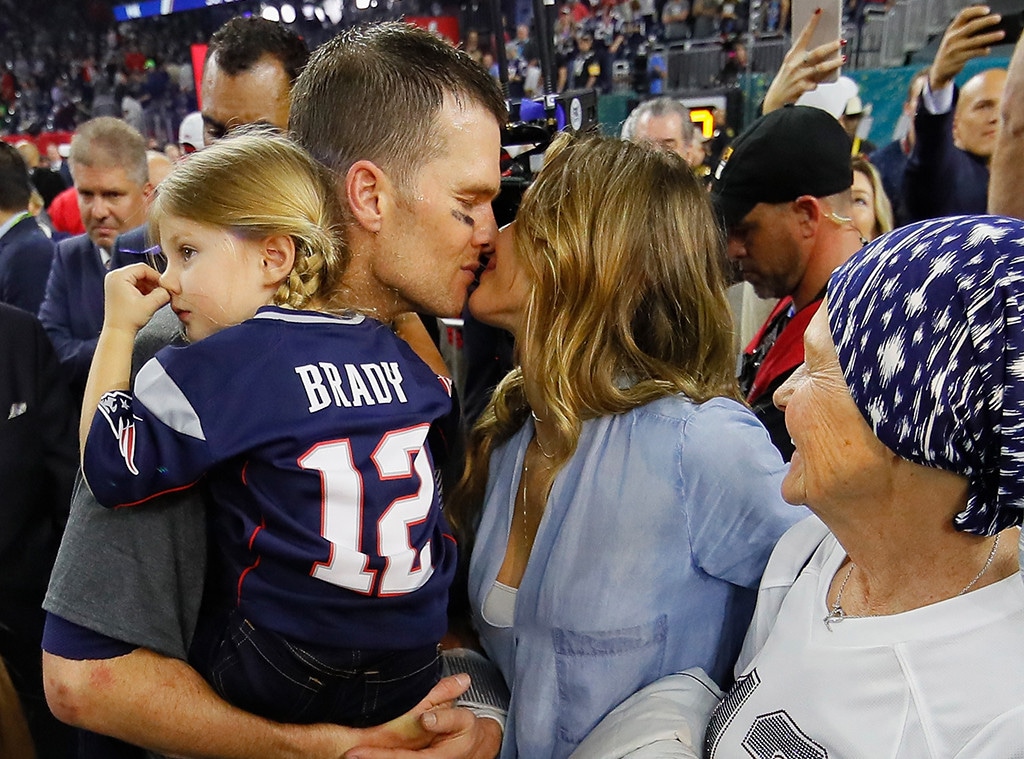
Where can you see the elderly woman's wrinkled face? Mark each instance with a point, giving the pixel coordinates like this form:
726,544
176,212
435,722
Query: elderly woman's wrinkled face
837,456
500,300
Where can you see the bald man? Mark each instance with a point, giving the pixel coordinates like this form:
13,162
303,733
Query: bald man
947,171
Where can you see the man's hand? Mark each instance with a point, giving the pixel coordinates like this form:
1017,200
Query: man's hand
457,734
408,731
964,40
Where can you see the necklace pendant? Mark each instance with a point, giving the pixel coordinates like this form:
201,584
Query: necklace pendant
835,615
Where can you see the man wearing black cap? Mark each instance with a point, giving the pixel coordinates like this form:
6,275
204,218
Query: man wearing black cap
783,194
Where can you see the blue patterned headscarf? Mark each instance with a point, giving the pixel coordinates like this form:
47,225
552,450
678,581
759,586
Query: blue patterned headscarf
927,325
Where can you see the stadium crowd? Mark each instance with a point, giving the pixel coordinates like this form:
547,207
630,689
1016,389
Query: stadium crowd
55,76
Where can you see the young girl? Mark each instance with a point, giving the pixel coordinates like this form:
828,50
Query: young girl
305,424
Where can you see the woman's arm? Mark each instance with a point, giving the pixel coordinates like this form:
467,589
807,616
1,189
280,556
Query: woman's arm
664,719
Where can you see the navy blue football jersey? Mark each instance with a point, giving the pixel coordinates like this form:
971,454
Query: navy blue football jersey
309,431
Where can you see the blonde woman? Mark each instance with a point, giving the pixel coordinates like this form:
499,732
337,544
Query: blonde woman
620,503
307,425
871,211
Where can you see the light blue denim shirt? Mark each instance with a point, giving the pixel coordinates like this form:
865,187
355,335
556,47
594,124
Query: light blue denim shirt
647,562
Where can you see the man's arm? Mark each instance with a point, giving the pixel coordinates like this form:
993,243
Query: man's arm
935,164
1007,166
162,704
964,40
472,732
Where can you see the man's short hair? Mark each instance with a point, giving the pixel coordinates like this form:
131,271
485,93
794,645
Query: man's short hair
374,93
106,142
29,153
657,107
241,42
15,184
793,151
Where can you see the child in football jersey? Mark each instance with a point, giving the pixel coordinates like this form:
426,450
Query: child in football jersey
305,423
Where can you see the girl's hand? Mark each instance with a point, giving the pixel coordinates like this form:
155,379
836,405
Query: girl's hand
803,70
132,294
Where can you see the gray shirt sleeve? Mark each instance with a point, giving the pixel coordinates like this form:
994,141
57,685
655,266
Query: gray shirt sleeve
135,575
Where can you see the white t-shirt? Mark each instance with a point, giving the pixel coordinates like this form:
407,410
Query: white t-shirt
945,680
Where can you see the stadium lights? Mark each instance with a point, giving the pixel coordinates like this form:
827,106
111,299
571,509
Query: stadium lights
287,13
333,9
270,13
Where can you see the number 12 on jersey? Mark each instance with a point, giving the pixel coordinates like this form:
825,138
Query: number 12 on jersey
399,455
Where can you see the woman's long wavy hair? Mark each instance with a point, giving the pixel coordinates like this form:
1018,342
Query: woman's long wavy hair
627,303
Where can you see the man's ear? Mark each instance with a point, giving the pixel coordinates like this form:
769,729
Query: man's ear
809,214
278,253
957,141
365,183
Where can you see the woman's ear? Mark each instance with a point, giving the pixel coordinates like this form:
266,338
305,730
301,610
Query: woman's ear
278,252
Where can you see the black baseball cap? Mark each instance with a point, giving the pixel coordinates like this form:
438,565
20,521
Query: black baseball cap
793,151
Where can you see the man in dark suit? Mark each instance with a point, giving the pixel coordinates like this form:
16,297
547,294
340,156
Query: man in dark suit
38,460
25,251
108,161
956,129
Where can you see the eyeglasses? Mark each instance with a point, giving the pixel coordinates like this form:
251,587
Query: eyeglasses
153,256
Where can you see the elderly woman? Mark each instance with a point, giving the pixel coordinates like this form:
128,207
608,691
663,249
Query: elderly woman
894,626
623,502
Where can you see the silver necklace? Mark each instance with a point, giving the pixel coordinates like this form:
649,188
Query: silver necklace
988,563
526,476
836,613
536,439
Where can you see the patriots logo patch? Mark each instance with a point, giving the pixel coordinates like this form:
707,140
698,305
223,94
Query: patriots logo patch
116,407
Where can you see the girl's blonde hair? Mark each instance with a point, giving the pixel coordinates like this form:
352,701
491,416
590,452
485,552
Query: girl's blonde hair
628,300
257,183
